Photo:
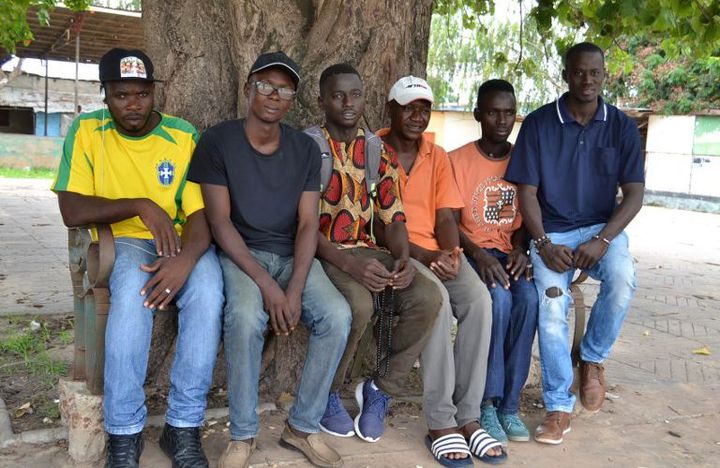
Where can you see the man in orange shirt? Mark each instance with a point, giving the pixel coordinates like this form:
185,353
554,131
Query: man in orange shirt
495,243
453,382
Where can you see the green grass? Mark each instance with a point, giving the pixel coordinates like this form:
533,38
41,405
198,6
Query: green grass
31,347
27,173
66,337
23,345
41,363
48,408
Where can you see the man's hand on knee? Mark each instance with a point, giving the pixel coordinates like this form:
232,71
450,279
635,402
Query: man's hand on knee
170,274
557,257
589,253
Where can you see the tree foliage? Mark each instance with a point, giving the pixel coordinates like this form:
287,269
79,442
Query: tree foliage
668,85
459,59
685,34
687,27
14,27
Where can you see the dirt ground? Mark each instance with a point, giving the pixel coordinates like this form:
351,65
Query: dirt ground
35,351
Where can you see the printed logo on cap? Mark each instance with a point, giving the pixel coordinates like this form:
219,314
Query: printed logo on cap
166,172
132,67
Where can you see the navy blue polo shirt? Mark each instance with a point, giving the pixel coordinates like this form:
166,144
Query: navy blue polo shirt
576,169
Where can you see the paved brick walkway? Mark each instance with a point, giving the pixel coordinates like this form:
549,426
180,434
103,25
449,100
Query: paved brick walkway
33,259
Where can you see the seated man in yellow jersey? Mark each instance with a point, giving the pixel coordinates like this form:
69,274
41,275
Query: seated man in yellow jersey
126,166
453,381
495,243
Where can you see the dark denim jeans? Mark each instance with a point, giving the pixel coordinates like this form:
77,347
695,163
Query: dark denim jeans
514,312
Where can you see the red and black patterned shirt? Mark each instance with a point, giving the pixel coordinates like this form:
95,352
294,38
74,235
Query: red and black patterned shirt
345,209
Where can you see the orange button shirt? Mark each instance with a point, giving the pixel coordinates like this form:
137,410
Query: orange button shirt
430,186
491,214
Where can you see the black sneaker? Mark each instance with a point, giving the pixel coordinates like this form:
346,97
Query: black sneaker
182,446
123,451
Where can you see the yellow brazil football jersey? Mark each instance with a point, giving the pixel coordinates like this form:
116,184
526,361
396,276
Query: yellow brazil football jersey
98,160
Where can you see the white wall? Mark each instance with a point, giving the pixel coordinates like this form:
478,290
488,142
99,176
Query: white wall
670,163
453,129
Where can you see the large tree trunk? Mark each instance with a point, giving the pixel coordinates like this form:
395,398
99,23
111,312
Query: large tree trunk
203,51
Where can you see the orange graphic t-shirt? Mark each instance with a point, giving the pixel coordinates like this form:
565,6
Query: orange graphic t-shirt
491,214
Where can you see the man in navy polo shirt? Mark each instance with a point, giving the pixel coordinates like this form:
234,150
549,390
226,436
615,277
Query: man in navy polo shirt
569,159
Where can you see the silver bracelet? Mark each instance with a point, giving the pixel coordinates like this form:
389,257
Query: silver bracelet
602,239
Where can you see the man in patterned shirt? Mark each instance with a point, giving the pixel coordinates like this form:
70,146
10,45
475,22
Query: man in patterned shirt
360,267
126,166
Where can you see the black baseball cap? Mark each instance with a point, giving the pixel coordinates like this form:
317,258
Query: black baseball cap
277,59
126,64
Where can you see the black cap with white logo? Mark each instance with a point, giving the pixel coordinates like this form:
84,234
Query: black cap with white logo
123,64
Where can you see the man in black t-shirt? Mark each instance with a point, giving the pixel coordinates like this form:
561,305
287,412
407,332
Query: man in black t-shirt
260,181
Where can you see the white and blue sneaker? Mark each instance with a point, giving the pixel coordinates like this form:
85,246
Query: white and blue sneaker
336,420
374,404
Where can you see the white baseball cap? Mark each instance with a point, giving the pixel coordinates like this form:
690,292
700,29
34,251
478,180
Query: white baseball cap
410,88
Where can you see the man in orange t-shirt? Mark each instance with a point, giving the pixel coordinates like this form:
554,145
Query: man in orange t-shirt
453,378
495,244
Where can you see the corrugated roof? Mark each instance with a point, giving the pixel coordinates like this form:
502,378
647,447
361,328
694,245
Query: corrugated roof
100,30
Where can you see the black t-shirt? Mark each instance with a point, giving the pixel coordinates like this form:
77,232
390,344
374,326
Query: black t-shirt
265,190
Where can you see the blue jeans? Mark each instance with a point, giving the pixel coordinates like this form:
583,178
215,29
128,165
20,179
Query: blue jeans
128,333
324,312
616,273
514,319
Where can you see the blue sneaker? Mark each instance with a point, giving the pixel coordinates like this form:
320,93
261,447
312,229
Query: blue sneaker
370,423
336,420
514,428
489,421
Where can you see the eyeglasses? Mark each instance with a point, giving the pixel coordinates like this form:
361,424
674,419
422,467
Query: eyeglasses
266,89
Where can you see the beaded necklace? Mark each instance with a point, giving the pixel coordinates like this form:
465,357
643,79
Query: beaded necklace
384,304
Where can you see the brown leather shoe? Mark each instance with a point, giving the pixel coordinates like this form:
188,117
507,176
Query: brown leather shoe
553,428
237,454
313,447
592,385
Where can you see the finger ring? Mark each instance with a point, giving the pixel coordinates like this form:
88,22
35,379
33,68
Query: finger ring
168,290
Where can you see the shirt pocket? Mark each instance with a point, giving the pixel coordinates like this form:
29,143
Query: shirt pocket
606,160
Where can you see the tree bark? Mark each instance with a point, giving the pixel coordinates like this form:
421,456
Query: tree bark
203,51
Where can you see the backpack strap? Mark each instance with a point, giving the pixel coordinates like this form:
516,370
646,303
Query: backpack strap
373,148
317,134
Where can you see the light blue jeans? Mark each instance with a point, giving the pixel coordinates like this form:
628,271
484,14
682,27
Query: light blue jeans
324,312
616,274
128,333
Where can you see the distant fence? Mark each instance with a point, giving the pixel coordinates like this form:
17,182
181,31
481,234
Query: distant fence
29,151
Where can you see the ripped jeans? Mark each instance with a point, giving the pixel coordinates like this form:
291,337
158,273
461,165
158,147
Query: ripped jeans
616,273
